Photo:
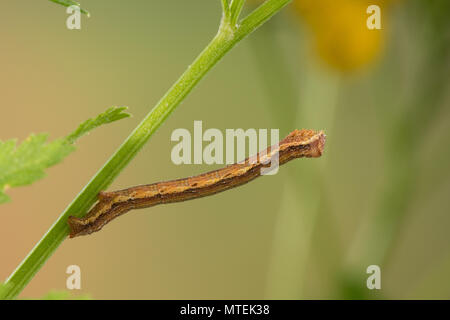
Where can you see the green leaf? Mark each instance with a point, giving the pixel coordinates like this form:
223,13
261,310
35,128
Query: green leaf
68,3
110,115
25,163
64,295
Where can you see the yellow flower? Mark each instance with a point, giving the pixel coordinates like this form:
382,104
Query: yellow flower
340,31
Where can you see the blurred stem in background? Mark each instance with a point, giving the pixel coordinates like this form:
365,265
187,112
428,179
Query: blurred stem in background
294,230
276,75
404,139
304,195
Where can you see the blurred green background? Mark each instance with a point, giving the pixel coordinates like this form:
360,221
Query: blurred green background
379,195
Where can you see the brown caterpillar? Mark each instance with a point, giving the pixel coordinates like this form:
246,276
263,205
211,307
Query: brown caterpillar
298,144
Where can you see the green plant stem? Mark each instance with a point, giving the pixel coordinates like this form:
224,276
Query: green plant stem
68,3
225,9
226,38
235,10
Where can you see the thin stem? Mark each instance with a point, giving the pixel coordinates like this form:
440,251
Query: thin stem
235,10
259,16
225,39
226,9
68,3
